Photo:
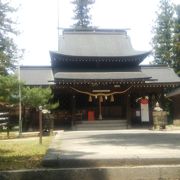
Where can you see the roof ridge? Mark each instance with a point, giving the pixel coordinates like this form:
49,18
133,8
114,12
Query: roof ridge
154,65
35,66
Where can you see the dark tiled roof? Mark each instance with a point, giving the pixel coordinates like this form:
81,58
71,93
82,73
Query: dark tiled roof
43,75
36,75
162,74
100,43
138,58
100,75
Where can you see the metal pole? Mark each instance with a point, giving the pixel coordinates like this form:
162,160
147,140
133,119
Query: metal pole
20,108
40,125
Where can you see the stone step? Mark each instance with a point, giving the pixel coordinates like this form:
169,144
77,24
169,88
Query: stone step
98,128
154,172
101,122
101,125
118,162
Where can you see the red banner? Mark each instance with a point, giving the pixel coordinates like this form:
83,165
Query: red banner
144,101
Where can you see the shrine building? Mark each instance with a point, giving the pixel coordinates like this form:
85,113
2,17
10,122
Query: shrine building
99,81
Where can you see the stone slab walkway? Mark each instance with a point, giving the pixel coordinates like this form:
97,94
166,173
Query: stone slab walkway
113,148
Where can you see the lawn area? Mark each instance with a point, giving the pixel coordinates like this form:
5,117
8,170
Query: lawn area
22,153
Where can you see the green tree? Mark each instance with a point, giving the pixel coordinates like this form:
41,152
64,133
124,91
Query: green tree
162,41
81,13
9,89
33,98
8,48
176,41
9,97
37,96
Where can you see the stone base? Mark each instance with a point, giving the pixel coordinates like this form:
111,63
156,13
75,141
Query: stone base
176,122
108,173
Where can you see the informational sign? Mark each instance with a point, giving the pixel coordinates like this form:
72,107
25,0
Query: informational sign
144,110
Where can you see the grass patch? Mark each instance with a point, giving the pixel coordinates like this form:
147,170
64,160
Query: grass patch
12,134
15,134
24,153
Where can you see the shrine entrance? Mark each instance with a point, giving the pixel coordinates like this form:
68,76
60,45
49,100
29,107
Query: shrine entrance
102,104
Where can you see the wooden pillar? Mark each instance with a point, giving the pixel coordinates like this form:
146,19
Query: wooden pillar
163,103
128,111
51,118
150,109
100,108
73,110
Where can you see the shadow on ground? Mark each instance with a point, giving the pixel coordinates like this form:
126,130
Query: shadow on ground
158,140
115,148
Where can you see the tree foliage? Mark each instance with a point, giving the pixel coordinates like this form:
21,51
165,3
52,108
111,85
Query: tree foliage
176,41
163,34
81,13
37,96
9,89
8,48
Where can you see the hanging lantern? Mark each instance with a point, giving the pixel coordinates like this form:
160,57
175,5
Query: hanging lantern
90,99
101,99
105,97
112,98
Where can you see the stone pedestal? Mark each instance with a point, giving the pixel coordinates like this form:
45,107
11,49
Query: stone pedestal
159,119
176,122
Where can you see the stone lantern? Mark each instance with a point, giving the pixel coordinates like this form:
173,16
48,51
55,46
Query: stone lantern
159,117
